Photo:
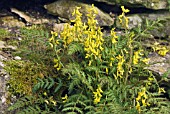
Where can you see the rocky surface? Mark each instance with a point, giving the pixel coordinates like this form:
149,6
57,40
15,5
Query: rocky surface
159,64
151,4
3,79
64,9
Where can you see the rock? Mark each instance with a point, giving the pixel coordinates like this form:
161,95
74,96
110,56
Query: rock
64,9
17,58
13,48
2,44
159,64
151,4
58,27
10,21
138,19
1,64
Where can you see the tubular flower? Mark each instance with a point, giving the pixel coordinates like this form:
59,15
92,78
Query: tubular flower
52,39
97,95
65,98
57,64
125,10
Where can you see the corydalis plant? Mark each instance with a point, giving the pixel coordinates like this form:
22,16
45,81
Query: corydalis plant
89,58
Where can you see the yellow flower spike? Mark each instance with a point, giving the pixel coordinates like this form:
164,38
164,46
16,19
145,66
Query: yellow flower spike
125,10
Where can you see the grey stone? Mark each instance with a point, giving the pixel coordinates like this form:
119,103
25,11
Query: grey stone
151,4
17,58
2,44
64,9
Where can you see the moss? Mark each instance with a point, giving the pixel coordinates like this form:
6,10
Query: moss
23,75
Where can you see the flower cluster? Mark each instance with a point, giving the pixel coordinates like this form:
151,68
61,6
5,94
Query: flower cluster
141,100
97,95
57,64
114,36
123,19
65,98
120,69
160,49
137,56
94,40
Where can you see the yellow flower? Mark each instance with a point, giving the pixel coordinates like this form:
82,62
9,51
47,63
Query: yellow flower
52,101
144,102
90,62
120,69
97,95
163,51
142,97
107,71
120,18
123,19
138,106
57,64
65,98
126,22
146,60
136,56
160,49
161,90
113,35
76,11
45,93
125,10
46,101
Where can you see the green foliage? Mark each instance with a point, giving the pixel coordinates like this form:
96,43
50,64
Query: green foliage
30,105
47,84
33,46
